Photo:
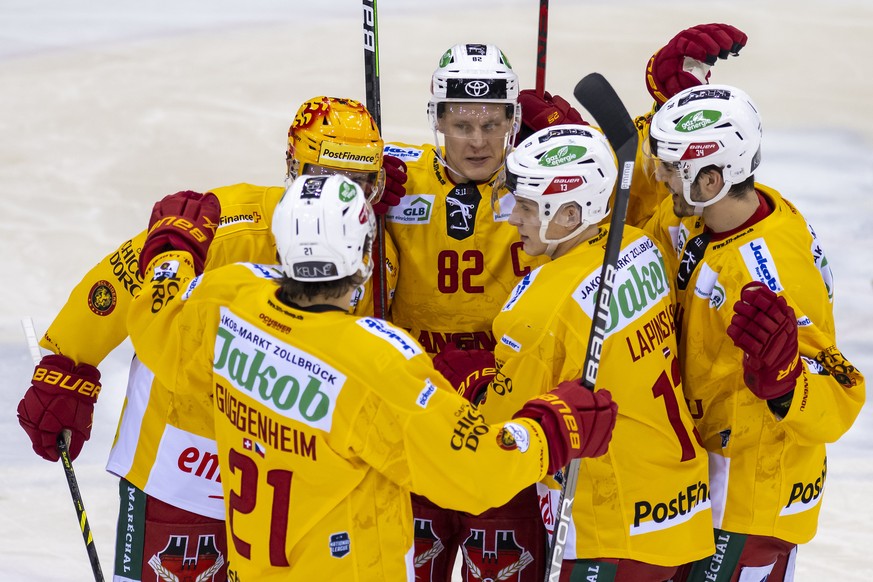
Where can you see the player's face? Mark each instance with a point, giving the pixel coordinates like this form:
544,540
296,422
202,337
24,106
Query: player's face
475,135
525,217
668,173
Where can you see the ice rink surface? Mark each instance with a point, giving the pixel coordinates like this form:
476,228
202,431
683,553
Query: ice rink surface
108,105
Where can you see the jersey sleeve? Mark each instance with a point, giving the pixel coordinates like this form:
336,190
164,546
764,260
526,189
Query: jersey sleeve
169,340
521,375
828,395
646,193
434,442
92,322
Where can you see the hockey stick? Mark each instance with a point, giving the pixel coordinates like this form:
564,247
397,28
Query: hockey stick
541,47
63,450
597,96
374,106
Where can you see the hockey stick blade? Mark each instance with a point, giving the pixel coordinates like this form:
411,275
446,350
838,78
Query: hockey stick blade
597,96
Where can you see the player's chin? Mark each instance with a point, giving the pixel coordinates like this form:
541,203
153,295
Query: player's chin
479,170
530,247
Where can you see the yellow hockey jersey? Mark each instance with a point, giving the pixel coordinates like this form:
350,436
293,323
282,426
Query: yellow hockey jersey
646,193
459,259
150,451
768,475
648,497
324,421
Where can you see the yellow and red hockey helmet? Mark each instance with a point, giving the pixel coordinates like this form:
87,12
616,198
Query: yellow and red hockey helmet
333,134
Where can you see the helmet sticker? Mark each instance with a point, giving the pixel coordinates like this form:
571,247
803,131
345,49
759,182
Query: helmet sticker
312,187
562,155
347,193
708,93
476,89
700,150
552,133
697,120
446,58
564,184
476,49
314,270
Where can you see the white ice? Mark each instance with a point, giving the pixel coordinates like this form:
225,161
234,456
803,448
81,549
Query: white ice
108,105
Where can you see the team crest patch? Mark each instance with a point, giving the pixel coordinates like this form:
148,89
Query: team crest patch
513,436
102,298
340,544
173,564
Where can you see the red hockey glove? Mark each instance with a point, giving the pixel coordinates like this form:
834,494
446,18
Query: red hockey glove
577,422
540,112
184,221
706,43
395,180
469,371
61,395
765,328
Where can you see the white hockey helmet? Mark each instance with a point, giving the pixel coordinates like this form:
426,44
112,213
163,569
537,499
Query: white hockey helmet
559,165
324,228
708,125
474,73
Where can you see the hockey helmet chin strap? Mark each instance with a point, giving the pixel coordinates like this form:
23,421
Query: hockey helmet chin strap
552,244
699,206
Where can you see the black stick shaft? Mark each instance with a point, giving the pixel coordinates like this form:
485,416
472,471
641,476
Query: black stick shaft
374,106
542,40
64,452
79,506
597,96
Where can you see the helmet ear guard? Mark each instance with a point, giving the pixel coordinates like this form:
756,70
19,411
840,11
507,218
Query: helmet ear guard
324,229
708,125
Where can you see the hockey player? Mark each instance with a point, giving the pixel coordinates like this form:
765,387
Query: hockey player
643,509
170,487
317,453
685,61
460,260
761,369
